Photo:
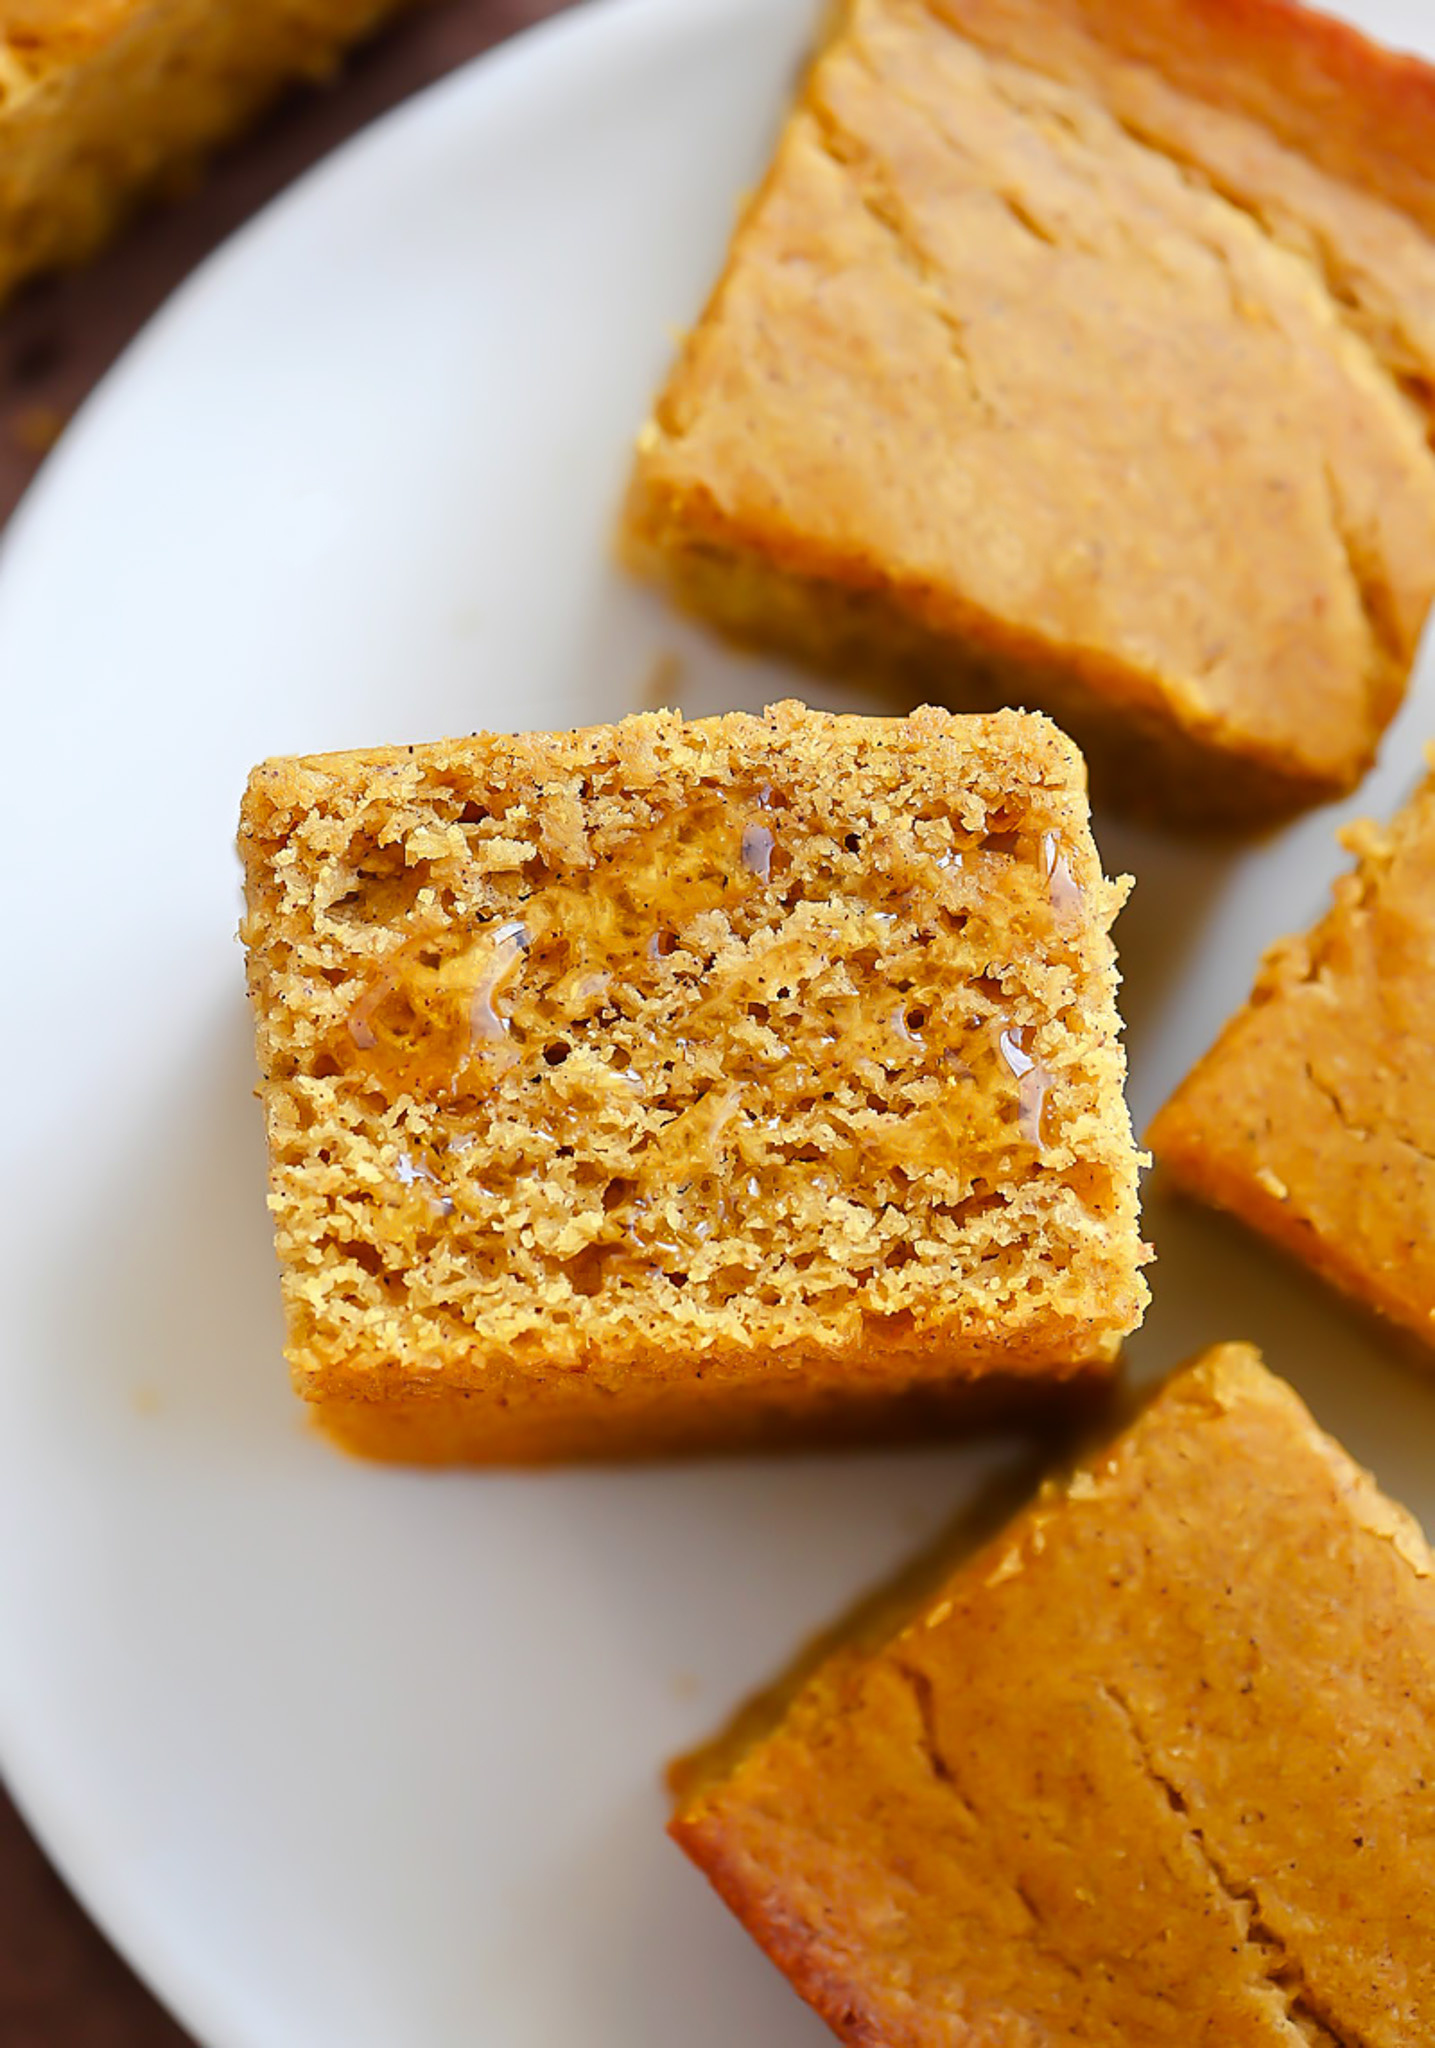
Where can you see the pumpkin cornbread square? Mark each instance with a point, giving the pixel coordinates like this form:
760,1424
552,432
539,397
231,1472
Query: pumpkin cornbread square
104,103
1080,354
1312,1117
670,1085
1156,1767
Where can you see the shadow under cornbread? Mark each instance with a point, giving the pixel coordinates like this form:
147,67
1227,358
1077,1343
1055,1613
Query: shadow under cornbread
882,1610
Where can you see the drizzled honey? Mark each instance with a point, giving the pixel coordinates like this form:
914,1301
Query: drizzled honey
839,982
1067,897
1032,1080
437,1021
431,1016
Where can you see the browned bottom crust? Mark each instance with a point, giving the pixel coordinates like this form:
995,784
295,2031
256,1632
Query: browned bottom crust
459,1427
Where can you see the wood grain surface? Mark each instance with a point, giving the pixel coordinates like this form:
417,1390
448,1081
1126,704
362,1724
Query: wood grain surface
61,1985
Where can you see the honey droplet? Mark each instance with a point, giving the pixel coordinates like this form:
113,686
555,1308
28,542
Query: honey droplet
413,1173
650,1239
1033,1080
757,845
1068,898
423,1022
905,1023
1031,1106
506,949
1014,1052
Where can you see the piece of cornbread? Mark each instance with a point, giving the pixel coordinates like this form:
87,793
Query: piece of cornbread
1312,1117
670,1085
1155,1768
104,103
1080,354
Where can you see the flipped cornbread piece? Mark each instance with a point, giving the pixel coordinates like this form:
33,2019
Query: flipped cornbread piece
668,1086
1312,1118
104,103
1080,354
1155,1768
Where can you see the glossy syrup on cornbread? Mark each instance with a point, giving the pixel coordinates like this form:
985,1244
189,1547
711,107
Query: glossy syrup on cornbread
670,1085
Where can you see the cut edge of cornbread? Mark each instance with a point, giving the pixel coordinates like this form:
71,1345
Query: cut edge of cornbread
796,1099
1142,759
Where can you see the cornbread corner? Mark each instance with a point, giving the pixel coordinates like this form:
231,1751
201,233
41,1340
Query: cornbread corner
104,103
1312,1118
1080,354
1155,1767
672,1086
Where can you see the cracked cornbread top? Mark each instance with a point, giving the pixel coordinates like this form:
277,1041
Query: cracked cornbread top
1080,353
1155,1767
762,1043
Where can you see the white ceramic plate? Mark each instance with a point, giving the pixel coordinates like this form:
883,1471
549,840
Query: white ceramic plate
346,1757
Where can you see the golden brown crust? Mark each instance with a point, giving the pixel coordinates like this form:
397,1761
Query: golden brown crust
1312,1117
1154,1767
105,103
688,1081
1036,375
544,1426
1316,85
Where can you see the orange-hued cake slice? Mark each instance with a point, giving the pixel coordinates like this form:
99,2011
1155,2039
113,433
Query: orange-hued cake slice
1080,354
104,103
1312,1118
673,1086
1155,1768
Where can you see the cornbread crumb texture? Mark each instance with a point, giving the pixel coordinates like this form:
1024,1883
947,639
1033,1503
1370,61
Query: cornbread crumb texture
105,102
677,1081
1313,1117
1079,353
1156,1766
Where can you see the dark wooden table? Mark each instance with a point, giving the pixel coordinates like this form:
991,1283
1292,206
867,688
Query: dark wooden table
61,1985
